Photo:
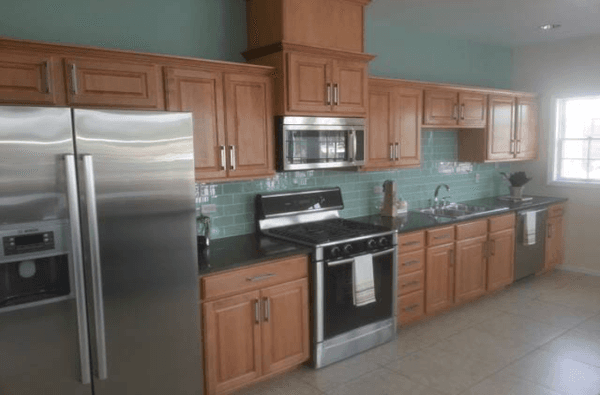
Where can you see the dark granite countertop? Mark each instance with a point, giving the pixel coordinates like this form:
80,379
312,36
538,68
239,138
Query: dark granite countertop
416,221
239,251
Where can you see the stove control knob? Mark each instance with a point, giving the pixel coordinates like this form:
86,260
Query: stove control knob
372,244
383,242
335,252
348,249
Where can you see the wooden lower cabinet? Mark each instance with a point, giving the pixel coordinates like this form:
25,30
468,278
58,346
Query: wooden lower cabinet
470,272
256,334
554,243
411,307
501,259
439,278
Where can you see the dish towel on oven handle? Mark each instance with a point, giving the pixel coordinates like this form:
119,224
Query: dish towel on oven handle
362,280
529,228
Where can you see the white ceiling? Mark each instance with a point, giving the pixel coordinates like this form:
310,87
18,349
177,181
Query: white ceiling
504,22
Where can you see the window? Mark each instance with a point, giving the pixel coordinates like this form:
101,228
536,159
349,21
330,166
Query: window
577,140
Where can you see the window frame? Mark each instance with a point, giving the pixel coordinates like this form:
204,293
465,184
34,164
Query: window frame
555,149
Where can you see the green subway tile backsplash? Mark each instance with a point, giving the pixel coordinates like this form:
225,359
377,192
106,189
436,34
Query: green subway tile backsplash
235,201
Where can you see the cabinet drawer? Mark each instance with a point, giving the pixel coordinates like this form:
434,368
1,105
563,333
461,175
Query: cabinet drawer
411,262
410,307
502,222
411,241
556,210
440,236
411,282
471,229
254,277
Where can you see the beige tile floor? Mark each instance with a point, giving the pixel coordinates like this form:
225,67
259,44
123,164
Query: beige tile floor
541,336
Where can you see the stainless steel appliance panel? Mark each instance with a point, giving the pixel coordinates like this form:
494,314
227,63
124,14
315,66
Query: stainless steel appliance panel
40,348
529,259
136,179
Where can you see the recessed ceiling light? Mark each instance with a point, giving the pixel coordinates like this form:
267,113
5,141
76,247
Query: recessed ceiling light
550,26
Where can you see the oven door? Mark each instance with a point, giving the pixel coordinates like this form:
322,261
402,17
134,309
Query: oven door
306,147
340,314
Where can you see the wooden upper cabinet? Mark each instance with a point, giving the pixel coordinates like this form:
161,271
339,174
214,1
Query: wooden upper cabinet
30,79
285,328
440,108
111,83
201,93
249,125
309,83
527,129
501,260
408,129
472,109
232,346
332,24
470,275
439,281
350,85
381,132
501,127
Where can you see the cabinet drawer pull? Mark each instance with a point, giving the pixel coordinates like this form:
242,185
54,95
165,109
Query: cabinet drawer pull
410,263
74,88
257,311
446,236
411,307
267,309
328,87
261,277
411,243
411,283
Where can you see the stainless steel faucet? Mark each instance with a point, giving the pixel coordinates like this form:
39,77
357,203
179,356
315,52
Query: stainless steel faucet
437,190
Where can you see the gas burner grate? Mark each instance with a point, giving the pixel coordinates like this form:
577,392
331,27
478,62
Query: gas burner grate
326,231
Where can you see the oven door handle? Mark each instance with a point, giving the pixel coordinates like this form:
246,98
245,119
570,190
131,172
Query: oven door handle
350,260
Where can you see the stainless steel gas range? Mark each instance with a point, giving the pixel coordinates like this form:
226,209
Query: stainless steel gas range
346,318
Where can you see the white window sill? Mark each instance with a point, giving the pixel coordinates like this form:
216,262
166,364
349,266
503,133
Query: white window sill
575,184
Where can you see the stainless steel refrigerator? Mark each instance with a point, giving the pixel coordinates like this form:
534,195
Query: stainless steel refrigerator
98,261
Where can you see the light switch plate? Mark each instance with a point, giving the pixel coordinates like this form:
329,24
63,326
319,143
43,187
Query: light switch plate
208,208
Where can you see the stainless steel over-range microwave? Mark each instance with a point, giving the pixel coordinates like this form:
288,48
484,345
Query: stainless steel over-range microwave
306,143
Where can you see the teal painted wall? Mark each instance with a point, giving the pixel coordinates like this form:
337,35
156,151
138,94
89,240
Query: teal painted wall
212,29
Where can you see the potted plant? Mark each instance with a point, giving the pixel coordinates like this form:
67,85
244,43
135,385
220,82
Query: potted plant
517,183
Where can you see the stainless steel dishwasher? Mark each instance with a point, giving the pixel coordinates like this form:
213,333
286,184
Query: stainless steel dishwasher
529,257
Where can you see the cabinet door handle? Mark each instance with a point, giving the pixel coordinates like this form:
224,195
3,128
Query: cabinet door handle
257,311
261,277
451,253
267,309
396,151
46,77
512,146
462,111
455,112
493,247
232,157
391,152
223,160
74,88
336,94
518,146
328,94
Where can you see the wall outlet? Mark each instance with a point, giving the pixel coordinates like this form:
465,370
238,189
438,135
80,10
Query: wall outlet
477,177
208,208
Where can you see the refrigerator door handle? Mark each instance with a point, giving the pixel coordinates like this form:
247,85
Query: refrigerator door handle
74,225
98,299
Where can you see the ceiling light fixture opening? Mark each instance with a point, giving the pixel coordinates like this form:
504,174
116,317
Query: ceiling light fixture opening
549,26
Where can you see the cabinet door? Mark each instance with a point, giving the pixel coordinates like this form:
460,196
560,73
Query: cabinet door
30,79
470,274
201,93
472,110
554,243
381,132
232,342
409,113
107,83
309,85
439,278
440,108
501,128
527,129
501,261
249,123
285,330
350,86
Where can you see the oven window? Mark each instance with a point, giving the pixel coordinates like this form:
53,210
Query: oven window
341,315
314,146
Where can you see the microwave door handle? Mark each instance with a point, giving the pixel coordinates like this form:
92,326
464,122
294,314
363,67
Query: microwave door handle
98,297
354,146
75,230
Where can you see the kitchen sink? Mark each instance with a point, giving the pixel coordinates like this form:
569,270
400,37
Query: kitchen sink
457,210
